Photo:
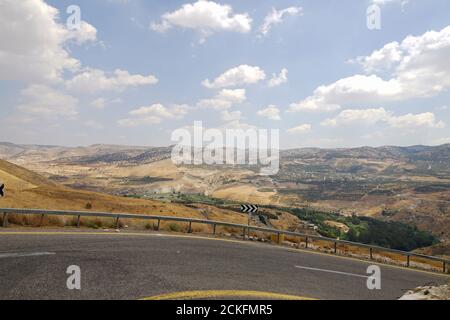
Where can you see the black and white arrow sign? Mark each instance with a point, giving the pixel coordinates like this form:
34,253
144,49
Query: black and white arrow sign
249,208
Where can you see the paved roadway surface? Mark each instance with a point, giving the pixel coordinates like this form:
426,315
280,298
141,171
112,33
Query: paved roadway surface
136,266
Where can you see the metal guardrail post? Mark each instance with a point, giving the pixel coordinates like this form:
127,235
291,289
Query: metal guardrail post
443,267
243,234
159,224
407,260
190,227
117,222
278,238
306,242
335,247
5,220
78,221
371,253
42,220
214,229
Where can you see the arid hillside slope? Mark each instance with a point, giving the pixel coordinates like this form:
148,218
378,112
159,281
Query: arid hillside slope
26,189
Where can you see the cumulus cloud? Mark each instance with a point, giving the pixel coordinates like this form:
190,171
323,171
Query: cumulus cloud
86,33
153,114
419,67
33,42
238,76
217,104
276,17
231,115
380,115
383,59
235,96
279,79
301,129
101,103
224,99
271,112
95,80
422,120
206,17
41,101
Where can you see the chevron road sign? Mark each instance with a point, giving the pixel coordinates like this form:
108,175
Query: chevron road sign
249,208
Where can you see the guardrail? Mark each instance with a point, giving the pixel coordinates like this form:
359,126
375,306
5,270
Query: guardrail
245,230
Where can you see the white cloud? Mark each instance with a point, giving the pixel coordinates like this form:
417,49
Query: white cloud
101,103
354,89
237,125
383,59
380,115
271,112
276,17
86,33
224,99
241,75
206,17
44,102
160,111
153,114
304,128
422,120
313,104
235,96
231,115
136,122
33,42
363,117
217,104
419,66
278,80
95,80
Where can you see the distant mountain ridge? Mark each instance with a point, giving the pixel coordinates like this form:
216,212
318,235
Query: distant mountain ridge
140,154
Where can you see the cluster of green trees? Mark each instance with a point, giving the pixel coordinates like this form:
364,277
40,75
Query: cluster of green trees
395,235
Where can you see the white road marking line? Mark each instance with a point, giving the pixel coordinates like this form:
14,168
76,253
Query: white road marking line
333,271
29,254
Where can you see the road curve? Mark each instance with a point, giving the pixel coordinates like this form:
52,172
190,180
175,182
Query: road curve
139,266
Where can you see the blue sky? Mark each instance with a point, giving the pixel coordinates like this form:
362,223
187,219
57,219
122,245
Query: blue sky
60,86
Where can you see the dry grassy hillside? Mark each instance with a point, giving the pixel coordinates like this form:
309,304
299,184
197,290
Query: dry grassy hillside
25,189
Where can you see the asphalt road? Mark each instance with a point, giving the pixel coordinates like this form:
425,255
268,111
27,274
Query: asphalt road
130,266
